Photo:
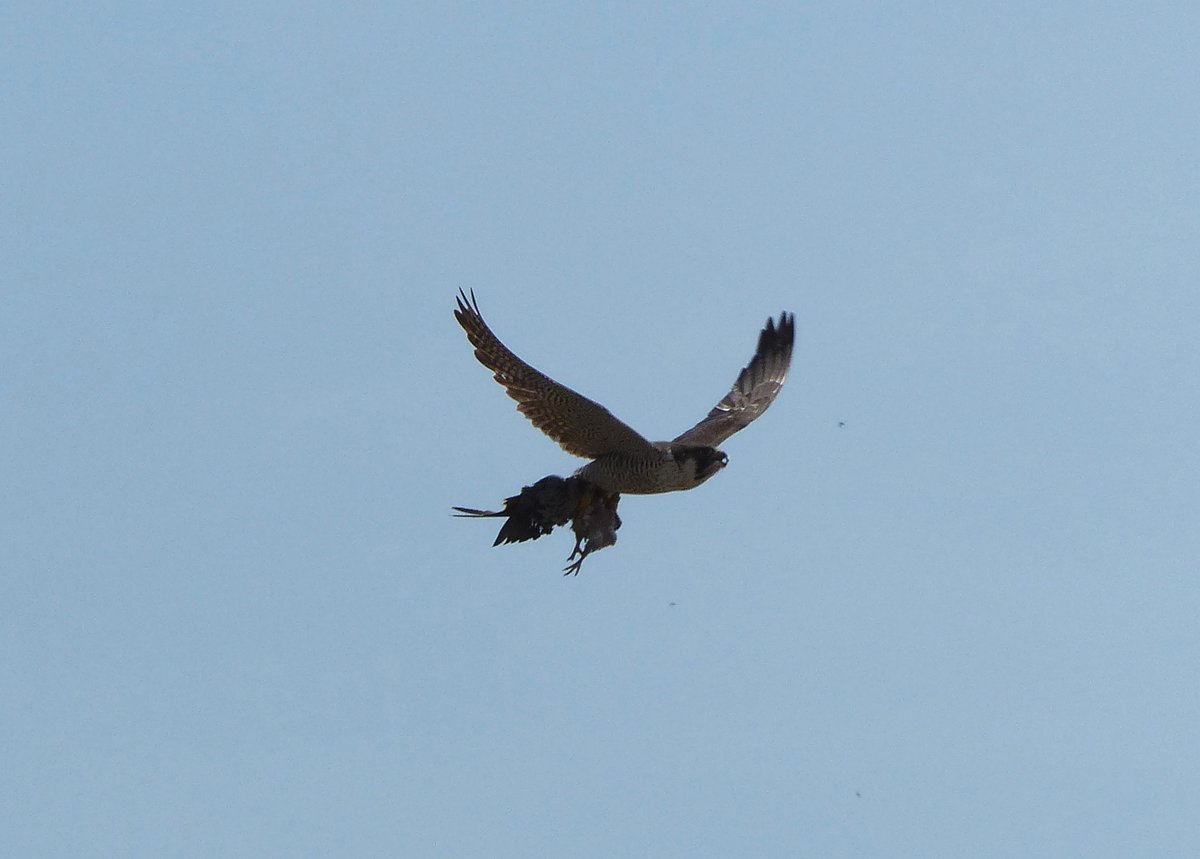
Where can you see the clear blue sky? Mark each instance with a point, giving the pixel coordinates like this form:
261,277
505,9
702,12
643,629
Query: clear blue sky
238,619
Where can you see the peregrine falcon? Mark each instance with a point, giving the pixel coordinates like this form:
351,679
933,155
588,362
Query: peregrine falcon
622,460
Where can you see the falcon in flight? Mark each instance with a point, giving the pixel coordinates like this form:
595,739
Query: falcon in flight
621,459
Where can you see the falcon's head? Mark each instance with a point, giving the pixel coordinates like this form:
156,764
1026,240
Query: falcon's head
707,460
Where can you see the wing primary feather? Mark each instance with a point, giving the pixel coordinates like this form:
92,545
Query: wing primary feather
755,388
581,426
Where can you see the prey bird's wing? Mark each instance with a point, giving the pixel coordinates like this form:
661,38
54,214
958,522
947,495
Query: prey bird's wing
581,426
755,389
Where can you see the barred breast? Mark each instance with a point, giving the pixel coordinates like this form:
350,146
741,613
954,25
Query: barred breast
640,475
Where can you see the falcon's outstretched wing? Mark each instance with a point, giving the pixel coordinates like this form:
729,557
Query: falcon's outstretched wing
581,426
755,389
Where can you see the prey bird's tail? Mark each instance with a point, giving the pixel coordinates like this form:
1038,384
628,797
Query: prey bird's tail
536,510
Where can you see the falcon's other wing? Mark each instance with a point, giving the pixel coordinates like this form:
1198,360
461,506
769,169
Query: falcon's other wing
755,389
581,426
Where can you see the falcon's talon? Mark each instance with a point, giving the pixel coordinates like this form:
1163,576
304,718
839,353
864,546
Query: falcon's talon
573,569
622,461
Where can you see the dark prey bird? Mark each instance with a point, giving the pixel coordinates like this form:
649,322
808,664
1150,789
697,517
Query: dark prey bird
622,461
